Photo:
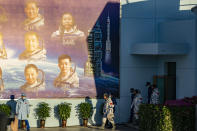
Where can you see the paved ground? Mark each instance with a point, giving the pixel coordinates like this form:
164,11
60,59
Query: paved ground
125,127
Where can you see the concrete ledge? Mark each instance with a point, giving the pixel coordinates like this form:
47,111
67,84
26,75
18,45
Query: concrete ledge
159,49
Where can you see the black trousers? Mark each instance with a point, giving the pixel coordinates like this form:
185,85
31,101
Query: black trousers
131,115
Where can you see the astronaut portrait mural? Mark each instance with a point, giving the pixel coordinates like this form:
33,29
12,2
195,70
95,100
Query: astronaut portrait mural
68,31
3,53
1,82
59,49
33,83
33,50
67,77
34,20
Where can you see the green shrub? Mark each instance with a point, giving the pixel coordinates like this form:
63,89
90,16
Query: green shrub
84,110
166,118
43,111
5,109
64,110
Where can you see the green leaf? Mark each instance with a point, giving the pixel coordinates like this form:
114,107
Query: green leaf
5,109
166,118
43,110
85,110
64,110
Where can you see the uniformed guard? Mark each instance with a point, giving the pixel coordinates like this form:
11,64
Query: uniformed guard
108,113
22,110
155,95
150,90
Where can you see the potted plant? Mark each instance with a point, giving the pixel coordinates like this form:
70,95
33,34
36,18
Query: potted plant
42,112
5,109
85,111
64,110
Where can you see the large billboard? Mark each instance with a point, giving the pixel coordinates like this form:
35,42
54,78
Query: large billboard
59,48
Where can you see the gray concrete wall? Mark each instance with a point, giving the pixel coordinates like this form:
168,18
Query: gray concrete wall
178,32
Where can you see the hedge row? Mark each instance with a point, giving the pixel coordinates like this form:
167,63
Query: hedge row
5,109
166,118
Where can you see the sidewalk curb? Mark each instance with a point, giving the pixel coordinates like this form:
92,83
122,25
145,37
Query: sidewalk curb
133,126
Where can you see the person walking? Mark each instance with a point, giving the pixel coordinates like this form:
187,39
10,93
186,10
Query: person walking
108,113
136,105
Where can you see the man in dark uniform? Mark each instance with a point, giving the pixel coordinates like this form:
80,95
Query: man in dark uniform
148,84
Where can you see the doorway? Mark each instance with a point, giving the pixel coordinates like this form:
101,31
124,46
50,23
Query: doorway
170,88
167,83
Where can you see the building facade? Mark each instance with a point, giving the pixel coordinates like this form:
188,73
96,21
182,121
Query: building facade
154,34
